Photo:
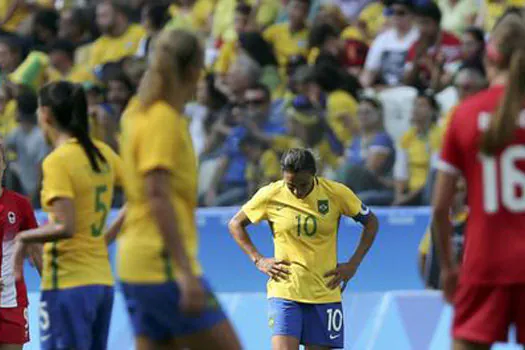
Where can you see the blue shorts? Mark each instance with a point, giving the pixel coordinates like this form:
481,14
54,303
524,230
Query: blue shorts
154,311
312,324
76,318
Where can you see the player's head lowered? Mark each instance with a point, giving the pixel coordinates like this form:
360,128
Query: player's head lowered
175,68
505,64
299,169
62,113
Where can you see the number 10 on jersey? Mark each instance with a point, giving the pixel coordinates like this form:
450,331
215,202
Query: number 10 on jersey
306,224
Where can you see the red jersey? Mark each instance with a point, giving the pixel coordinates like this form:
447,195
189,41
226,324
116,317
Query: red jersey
16,215
495,233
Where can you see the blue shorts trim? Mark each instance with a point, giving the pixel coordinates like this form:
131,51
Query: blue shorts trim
76,318
154,311
312,324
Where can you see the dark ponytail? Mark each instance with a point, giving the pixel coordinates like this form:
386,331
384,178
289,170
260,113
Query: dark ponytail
69,107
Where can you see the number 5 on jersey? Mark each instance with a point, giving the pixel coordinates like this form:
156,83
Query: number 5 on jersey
100,208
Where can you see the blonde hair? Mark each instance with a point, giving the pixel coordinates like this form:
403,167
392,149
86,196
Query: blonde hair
506,50
176,55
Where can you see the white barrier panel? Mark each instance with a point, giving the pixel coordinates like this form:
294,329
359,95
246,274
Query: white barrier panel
413,320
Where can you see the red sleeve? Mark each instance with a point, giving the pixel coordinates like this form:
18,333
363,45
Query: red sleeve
450,160
411,55
29,215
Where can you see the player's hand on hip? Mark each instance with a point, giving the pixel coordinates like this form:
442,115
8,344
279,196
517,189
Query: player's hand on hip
341,275
275,269
449,283
193,295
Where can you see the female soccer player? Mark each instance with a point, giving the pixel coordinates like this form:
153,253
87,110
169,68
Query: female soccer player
306,281
79,177
157,255
16,214
485,142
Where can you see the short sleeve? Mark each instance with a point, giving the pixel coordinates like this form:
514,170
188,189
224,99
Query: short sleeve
255,208
350,205
158,139
373,60
450,160
29,215
57,182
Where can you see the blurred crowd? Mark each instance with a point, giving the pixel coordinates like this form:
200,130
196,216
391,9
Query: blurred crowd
369,86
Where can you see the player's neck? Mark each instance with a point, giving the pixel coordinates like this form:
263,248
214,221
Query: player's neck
60,139
500,79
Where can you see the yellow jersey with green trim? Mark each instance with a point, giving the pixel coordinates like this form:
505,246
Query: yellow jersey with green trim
83,259
305,234
157,138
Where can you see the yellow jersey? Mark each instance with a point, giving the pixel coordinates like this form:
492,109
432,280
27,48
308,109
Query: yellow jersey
83,259
156,138
110,49
285,43
419,151
305,234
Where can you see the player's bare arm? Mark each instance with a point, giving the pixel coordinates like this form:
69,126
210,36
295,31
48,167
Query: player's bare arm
344,272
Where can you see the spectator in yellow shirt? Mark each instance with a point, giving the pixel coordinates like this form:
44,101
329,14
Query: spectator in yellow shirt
119,38
62,60
290,38
262,163
416,150
329,86
193,13
12,14
229,50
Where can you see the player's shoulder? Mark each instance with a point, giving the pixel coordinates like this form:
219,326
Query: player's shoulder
331,187
273,189
16,198
485,100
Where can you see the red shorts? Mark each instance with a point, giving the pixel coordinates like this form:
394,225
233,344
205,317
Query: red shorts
14,328
483,313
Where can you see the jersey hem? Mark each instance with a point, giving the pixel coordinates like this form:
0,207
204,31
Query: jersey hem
306,301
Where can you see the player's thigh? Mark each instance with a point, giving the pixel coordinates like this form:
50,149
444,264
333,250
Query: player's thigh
11,347
284,342
219,337
482,314
285,318
466,345
323,326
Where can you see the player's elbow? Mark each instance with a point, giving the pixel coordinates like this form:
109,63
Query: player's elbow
234,225
372,224
65,231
